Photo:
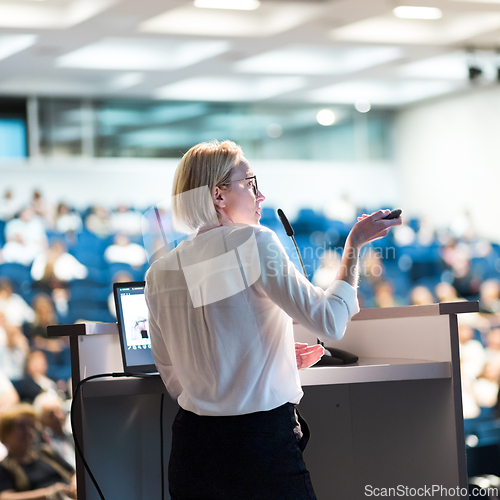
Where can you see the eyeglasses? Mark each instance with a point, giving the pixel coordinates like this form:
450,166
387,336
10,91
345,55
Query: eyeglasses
254,183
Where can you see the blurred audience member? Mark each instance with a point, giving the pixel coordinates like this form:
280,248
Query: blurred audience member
13,350
462,227
8,205
342,209
35,380
472,361
383,295
16,252
445,292
421,296
43,208
404,235
98,221
29,228
119,277
457,256
13,306
53,417
426,233
327,270
372,268
29,471
36,332
126,221
489,297
486,386
56,267
8,393
67,221
123,251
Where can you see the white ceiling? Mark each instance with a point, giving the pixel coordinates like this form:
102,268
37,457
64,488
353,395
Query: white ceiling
318,51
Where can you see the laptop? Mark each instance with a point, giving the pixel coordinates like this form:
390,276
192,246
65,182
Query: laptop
132,315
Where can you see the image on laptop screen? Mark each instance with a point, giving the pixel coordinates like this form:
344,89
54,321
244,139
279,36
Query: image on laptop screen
132,315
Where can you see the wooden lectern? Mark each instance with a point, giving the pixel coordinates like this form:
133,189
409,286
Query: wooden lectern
393,420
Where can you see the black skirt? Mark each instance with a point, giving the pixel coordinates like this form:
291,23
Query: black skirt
257,456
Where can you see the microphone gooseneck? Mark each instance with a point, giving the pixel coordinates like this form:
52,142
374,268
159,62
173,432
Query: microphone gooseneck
290,232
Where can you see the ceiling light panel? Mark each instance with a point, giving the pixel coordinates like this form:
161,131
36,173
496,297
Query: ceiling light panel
141,54
229,89
270,19
318,60
12,44
450,29
228,4
52,15
386,93
410,12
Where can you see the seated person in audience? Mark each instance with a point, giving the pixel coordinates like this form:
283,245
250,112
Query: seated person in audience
472,361
53,417
119,277
56,267
487,384
35,380
67,221
126,221
8,205
327,270
489,297
13,350
457,256
43,208
36,331
446,292
123,251
372,268
29,228
13,306
98,221
29,471
383,295
421,296
8,393
405,235
15,251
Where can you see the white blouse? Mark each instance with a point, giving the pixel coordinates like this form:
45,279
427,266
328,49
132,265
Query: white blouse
220,319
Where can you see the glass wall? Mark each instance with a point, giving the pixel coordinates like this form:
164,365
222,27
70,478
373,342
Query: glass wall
13,128
119,128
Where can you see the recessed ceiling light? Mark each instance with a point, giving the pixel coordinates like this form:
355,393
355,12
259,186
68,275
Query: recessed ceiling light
410,12
362,105
326,117
228,4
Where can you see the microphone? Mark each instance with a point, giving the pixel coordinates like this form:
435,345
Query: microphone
290,232
332,355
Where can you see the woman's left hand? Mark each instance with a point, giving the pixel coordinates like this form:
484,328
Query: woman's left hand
307,355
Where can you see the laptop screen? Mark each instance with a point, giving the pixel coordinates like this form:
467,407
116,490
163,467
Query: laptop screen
132,315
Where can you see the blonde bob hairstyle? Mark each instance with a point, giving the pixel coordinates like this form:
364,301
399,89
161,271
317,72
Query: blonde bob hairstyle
201,169
10,416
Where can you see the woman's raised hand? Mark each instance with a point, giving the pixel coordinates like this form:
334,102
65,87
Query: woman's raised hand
372,227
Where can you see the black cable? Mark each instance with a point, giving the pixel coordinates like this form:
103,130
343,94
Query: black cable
161,449
77,444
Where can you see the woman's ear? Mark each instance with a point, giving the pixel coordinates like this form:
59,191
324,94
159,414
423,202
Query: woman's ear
218,197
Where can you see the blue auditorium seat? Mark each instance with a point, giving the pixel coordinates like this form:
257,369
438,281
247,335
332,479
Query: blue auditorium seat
19,275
